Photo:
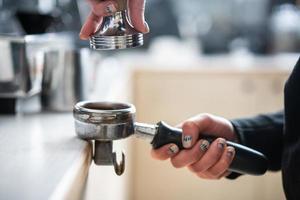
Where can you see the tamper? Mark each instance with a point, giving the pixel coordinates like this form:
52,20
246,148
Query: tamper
108,121
116,32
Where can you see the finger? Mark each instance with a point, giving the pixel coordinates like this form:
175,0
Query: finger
179,125
187,157
211,157
226,173
205,175
193,127
90,26
190,134
136,13
104,8
165,152
222,165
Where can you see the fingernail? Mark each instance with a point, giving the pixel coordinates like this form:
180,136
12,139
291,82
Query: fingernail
83,37
221,144
204,144
173,149
110,9
146,26
187,141
230,151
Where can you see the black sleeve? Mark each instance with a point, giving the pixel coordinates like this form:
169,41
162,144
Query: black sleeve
263,133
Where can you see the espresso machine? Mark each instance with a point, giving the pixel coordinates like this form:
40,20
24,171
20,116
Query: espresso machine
21,66
31,35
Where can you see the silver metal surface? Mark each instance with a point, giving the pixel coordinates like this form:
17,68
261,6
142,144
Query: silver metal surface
116,32
16,77
145,131
104,155
119,165
104,120
21,62
65,78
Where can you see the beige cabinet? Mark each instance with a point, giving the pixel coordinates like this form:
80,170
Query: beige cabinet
174,95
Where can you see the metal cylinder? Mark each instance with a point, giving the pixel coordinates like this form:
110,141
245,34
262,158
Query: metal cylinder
103,152
116,32
104,120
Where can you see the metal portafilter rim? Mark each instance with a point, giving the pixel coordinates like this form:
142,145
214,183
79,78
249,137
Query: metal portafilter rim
104,120
87,111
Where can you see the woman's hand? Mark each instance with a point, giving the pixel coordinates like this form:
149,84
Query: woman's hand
210,161
101,8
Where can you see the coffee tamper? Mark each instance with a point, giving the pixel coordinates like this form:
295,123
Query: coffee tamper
115,31
105,122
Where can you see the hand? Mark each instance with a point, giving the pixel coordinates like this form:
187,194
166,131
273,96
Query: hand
99,9
210,161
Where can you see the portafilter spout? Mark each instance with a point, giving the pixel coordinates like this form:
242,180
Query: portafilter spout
108,121
116,32
104,122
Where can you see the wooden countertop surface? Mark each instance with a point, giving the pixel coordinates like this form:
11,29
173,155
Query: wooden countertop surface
41,158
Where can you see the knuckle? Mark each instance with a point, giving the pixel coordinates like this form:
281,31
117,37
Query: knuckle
214,173
196,168
192,169
187,124
200,175
195,156
175,163
224,163
214,154
155,154
207,118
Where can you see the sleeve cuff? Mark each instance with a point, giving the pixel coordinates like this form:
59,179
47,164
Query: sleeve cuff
240,138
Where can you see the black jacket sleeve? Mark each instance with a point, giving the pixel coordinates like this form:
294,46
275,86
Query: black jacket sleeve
263,133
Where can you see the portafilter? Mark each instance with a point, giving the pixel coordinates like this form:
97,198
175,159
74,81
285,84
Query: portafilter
105,122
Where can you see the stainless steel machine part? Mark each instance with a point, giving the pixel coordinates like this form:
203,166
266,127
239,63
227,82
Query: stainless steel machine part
21,62
105,122
145,131
19,77
65,78
116,32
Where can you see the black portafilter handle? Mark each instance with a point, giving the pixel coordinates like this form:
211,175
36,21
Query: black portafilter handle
246,160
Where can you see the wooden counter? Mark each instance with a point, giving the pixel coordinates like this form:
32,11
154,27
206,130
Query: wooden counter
41,158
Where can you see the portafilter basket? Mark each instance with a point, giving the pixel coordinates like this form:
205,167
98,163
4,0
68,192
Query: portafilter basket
108,121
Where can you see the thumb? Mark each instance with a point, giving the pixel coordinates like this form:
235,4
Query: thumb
136,13
196,126
206,125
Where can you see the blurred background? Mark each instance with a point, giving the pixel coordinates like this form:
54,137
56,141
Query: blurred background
226,57
260,26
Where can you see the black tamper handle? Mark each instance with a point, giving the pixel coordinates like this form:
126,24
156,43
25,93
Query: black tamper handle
246,160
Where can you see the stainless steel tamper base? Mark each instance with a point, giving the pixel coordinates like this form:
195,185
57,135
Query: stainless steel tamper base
116,32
